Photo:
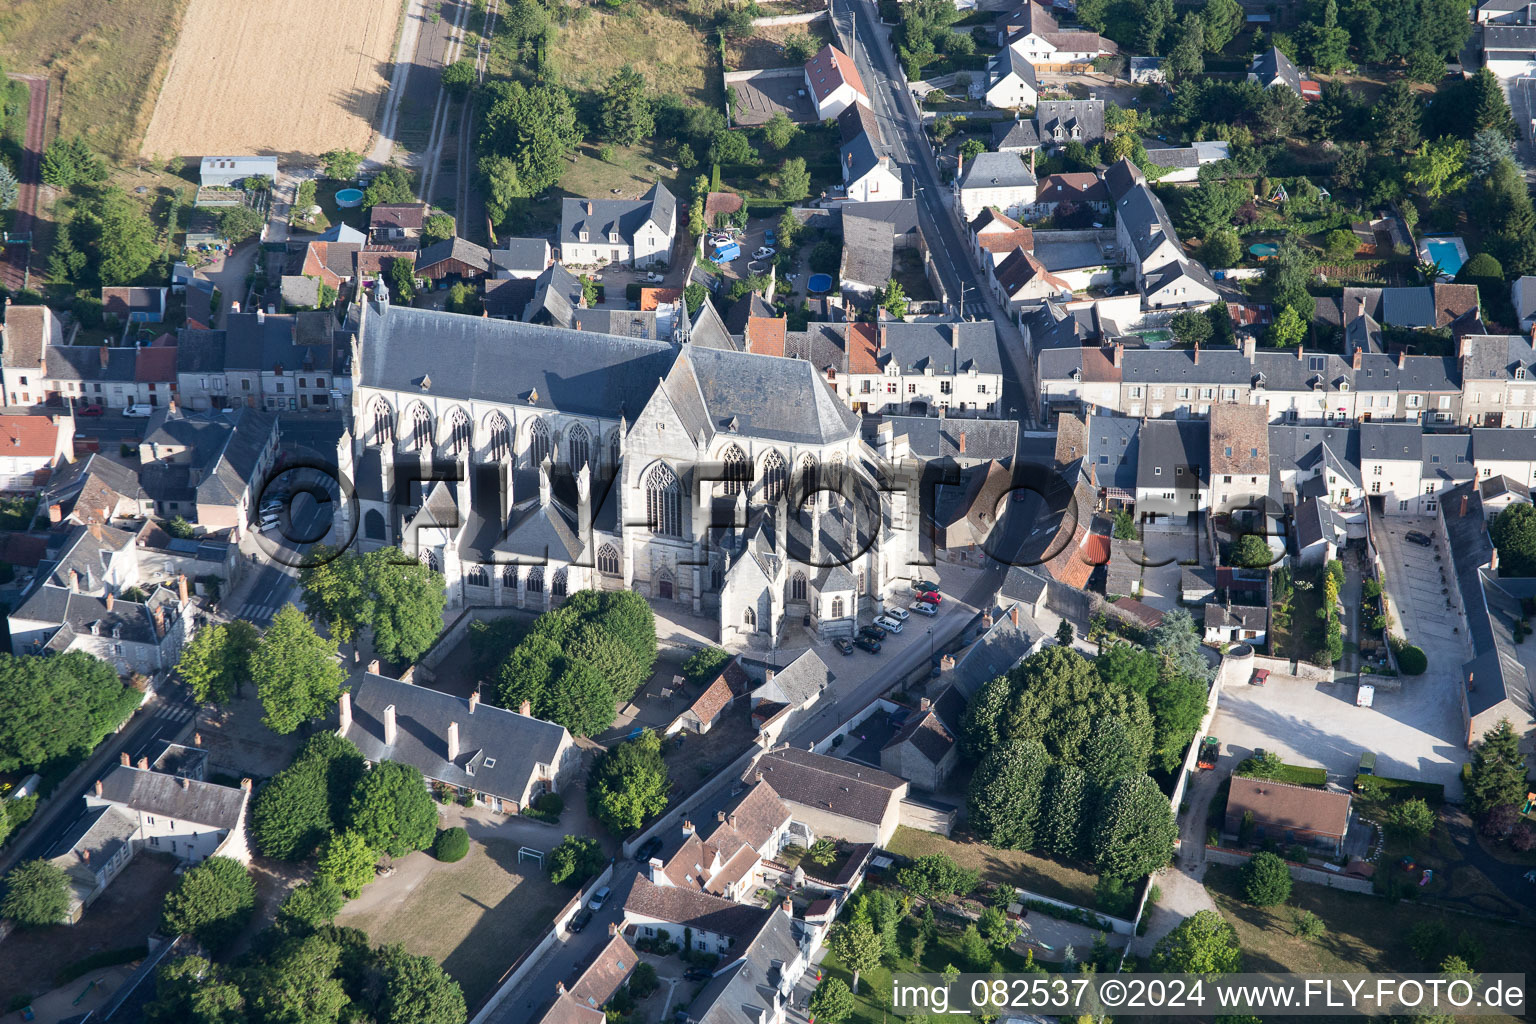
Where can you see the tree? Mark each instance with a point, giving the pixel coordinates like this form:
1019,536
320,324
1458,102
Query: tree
935,876
629,784
997,928
10,188
1438,167
218,660
341,164
1289,270
1488,149
402,281
695,295
1136,830
893,299
57,707
1061,822
1412,819
1514,534
627,115
1058,701
822,852
451,845
1156,20
1203,943
36,894
463,298
190,989
1490,110
855,943
1252,552
1178,703
438,227
296,672
392,809
1289,328
1110,756
704,665
117,235
404,603
575,860
65,262
299,982
237,223
1266,880
417,990
308,799
1497,775
526,135
1484,271
779,131
1221,20
970,149
1004,797
831,1002
1187,57
794,180
392,184
1190,327
1327,45
1396,117
310,906
210,902
731,147
459,77
1340,246
69,161
1176,641
1065,634
347,863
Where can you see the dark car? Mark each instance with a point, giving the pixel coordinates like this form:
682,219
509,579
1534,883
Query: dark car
1423,540
923,587
580,920
867,643
650,849
696,974
843,645
873,632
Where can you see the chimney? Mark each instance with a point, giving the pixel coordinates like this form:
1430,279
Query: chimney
55,513
1197,353
95,529
1117,354
160,620
732,820
1358,361
758,777
1402,358
768,675
106,356
85,855
589,209
98,787
954,336
525,709
234,307
1013,615
924,704
453,741
474,701
261,315
1463,511
373,667
1250,346
687,828
946,663
389,726
788,908
346,711
613,928
1301,353
143,764
185,784
245,784
409,675
125,759
1493,560
720,817
560,985
962,442
197,737
110,600
986,620
181,587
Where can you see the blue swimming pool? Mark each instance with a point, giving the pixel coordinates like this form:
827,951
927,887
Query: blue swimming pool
1448,252
819,283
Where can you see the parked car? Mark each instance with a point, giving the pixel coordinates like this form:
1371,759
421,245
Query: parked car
899,614
89,410
599,898
873,632
695,974
865,643
843,645
932,597
654,278
1423,540
139,412
580,920
762,252
768,237
923,587
889,624
649,849
1260,677
924,608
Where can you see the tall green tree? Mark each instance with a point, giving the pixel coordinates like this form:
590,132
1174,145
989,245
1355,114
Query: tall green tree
460,77
1177,643
1439,167
1063,810
1187,56
417,990
438,227
296,672
190,990
627,115
69,161
893,299
831,1002
985,719
1004,798
855,943
390,184
347,862
392,810
1156,19
794,180
1514,535
308,799
1135,830
1266,880
1203,943
119,237
1109,756
298,983
1221,20
526,134
310,906
1059,702
57,707
36,894
779,131
341,164
1396,117
1498,770
1326,42
629,784
218,661
575,860
405,600
211,902
1488,108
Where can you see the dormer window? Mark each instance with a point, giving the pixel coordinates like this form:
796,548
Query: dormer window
1519,373
583,236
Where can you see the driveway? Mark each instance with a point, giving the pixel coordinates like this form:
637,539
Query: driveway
1421,595
229,276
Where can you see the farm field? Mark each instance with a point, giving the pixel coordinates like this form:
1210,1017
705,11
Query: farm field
271,77
106,61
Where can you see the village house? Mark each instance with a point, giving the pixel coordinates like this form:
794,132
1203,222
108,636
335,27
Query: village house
1076,190
718,925
869,173
1000,180
208,467
1011,84
1288,814
638,232
926,749
134,305
31,447
453,258
833,83
725,857
397,222
26,335
828,796
1030,30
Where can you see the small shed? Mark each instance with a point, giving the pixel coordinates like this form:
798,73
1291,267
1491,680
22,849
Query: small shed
225,171
453,257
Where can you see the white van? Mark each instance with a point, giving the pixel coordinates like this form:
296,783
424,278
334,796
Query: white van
140,412
1365,696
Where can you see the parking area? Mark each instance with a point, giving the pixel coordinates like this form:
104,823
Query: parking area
751,239
1414,732
767,93
1100,86
1421,593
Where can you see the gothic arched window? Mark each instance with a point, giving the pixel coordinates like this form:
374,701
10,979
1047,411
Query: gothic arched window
557,588
459,433
536,580
500,447
579,444
664,502
837,607
509,577
539,444
797,587
421,427
383,423
775,478
608,560
478,577
738,471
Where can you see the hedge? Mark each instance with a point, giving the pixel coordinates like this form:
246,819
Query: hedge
1411,660
1295,774
1380,787
96,961
1078,914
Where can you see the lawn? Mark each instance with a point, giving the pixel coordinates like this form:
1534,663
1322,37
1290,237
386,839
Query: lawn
1042,875
665,42
1364,933
475,917
106,62
764,48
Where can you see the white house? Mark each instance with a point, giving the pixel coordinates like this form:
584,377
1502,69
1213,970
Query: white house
999,180
1523,294
1181,284
634,231
1030,30
833,82
1011,81
27,334
869,176
32,443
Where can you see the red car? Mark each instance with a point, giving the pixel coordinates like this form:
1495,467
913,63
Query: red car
88,410
932,597
1260,677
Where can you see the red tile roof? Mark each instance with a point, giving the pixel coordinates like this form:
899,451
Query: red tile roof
829,69
650,298
156,363
1287,806
863,344
30,436
765,335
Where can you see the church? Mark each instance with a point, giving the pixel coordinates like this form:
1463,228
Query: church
526,462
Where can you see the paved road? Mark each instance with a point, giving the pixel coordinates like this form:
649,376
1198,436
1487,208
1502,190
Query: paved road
384,144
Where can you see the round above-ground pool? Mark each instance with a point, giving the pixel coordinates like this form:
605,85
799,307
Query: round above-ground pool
1259,249
819,283
348,198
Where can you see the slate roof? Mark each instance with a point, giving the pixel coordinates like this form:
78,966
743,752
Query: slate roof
869,252
463,250
995,652
899,216
205,803
830,784
800,681
1021,268
29,331
1011,62
859,156
1390,441
1179,270
996,170
508,297
1170,445
687,907
91,363
1303,448
1517,39
1145,220
521,254
927,732
749,991
1087,116
949,348
200,351
1497,356
1114,448
1121,176
516,743
226,447
1015,136
120,302
600,217
1493,444
263,341
1446,457
775,399
1271,66
857,120
933,438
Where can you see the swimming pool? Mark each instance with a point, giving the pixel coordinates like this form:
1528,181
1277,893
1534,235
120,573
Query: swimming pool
1450,253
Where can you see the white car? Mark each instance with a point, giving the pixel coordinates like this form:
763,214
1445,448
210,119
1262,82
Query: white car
887,623
923,608
139,412
598,899
654,278
899,614
762,253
